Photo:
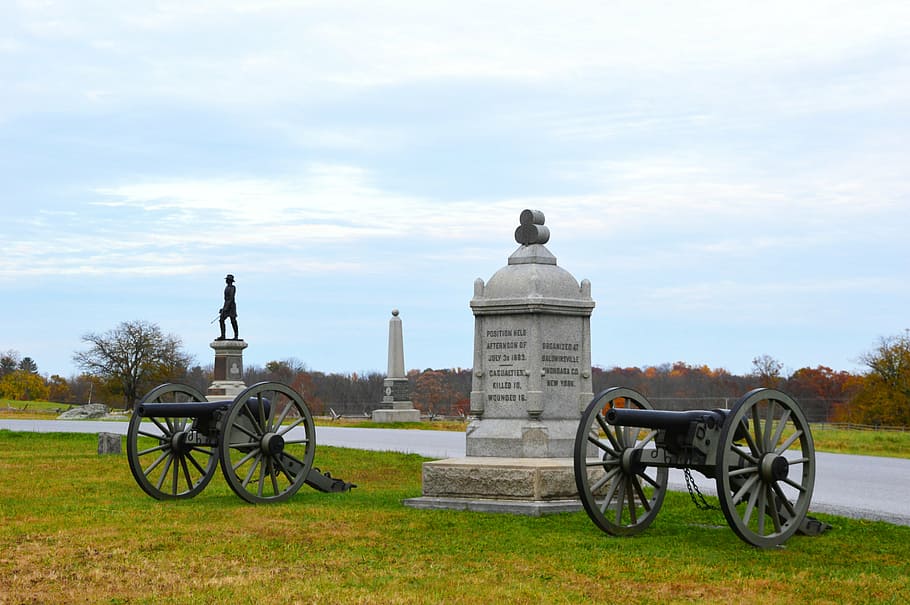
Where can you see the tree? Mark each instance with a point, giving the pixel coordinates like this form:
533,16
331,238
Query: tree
58,389
885,395
767,370
28,365
822,391
132,356
432,393
9,361
23,386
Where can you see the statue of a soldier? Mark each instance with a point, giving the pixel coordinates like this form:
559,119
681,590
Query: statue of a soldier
230,307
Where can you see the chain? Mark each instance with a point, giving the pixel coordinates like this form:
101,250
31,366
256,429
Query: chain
698,498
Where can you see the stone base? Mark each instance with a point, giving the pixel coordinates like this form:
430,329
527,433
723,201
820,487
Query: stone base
529,479
411,415
531,508
223,390
553,438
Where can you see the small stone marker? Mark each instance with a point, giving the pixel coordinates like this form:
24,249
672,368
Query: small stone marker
109,443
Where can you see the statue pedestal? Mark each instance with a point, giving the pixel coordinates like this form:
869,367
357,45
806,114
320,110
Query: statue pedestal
228,378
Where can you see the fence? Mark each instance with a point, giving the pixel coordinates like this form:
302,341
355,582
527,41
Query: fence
852,426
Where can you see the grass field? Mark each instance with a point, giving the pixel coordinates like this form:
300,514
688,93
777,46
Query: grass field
75,528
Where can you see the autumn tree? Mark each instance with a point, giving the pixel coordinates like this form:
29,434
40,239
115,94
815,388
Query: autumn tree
86,388
58,389
821,391
432,392
23,386
885,395
304,384
133,356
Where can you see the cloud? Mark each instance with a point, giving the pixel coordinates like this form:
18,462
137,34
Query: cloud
254,55
650,211
331,218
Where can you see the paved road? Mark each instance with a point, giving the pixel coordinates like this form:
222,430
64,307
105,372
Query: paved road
862,487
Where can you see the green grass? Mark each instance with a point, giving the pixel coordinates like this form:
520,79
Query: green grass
895,444
9,408
75,528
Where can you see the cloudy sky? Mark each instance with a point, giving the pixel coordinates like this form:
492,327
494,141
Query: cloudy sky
731,176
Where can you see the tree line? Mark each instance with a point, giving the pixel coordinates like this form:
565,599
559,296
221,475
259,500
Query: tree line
120,365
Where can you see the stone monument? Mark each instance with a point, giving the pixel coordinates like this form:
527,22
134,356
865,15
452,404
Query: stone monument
228,375
228,379
396,390
531,383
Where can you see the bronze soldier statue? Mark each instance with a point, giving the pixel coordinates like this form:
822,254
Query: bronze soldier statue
230,307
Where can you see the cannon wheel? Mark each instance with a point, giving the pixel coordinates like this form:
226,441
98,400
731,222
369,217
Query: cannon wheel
766,468
620,495
263,458
163,464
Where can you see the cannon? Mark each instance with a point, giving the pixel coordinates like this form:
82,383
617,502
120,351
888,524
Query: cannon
264,439
760,454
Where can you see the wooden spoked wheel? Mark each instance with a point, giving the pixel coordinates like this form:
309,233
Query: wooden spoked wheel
267,444
766,468
162,456
619,494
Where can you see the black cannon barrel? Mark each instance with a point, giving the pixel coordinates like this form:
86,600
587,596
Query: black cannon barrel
189,409
663,419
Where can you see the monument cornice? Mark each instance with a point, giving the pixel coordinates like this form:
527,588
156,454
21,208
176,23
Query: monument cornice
229,344
543,306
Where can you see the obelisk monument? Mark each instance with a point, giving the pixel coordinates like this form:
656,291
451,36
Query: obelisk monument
531,382
396,400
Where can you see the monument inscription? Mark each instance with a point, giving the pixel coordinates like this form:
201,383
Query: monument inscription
507,360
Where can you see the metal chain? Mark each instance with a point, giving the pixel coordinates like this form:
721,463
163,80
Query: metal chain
700,502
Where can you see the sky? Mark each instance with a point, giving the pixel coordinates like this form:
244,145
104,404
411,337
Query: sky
732,177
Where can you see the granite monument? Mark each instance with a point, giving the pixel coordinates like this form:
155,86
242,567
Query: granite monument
396,400
531,382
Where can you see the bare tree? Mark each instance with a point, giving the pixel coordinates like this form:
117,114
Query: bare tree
133,355
9,362
767,370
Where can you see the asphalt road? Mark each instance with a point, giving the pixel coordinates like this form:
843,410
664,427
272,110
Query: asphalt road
861,487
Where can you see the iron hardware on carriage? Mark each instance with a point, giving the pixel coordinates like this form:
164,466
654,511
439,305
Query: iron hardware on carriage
264,439
760,454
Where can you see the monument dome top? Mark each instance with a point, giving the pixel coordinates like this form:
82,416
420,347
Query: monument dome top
532,274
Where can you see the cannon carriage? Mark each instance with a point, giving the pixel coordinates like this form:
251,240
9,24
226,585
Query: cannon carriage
760,454
264,440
